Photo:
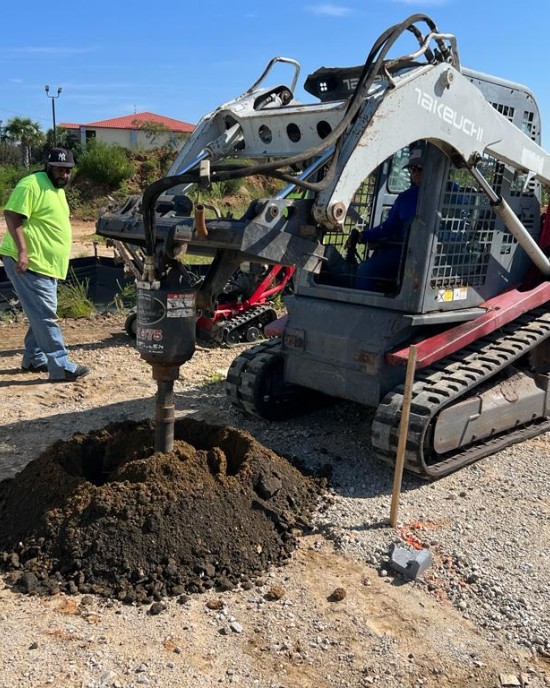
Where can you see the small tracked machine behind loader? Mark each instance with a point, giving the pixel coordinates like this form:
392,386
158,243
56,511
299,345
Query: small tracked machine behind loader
472,290
244,307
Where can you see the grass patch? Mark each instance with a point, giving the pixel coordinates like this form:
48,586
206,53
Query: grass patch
72,299
8,317
126,297
215,378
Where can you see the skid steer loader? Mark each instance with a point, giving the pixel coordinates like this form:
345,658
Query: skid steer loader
472,287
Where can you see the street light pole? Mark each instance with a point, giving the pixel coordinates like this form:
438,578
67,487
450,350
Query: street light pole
53,99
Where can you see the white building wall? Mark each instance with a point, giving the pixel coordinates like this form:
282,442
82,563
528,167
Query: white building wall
114,136
134,138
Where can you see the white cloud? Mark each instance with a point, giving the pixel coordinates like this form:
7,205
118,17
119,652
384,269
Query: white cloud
329,10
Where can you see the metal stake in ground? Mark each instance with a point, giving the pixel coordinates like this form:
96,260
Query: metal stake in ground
403,431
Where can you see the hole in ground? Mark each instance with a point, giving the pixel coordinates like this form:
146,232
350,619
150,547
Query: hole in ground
99,457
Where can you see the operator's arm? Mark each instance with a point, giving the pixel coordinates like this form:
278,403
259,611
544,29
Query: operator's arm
399,218
386,229
15,221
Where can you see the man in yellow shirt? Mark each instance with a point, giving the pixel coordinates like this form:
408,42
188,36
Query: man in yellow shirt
35,252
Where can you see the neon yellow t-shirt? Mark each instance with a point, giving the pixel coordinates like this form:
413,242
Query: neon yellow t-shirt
47,228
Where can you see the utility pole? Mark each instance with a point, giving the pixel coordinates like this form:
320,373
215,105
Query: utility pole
53,99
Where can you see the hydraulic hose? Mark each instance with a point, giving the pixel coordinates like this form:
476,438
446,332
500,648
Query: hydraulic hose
200,222
370,69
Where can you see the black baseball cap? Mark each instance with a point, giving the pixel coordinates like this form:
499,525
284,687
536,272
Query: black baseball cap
416,159
60,157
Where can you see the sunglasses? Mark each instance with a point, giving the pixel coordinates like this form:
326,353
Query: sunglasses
415,168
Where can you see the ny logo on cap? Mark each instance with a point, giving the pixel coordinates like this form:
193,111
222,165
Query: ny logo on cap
61,157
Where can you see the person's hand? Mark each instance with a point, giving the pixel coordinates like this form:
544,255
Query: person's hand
353,239
22,262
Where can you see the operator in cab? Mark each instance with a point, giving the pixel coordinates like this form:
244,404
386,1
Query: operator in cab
389,235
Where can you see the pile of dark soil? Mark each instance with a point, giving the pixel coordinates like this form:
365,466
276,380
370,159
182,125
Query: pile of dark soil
103,513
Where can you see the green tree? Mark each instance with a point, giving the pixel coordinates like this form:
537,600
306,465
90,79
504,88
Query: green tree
27,133
155,132
62,138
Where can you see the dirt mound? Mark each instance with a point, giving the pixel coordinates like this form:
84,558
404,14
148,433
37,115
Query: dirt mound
103,513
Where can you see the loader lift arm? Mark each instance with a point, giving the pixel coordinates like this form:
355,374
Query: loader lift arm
442,105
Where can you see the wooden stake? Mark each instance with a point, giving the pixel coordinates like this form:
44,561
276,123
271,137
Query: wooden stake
403,431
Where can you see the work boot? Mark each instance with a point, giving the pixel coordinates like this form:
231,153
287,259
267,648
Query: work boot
72,375
42,368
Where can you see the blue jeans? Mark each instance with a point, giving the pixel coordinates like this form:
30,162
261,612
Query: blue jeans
44,341
379,272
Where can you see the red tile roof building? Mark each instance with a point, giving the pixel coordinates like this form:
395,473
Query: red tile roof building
130,121
128,131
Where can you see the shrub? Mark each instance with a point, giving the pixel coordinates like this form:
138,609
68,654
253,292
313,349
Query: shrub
9,155
9,176
105,164
74,199
149,172
72,299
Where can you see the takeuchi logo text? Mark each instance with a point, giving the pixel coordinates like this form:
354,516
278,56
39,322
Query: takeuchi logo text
448,115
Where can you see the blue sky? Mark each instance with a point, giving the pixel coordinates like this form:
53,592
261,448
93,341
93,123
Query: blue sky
183,59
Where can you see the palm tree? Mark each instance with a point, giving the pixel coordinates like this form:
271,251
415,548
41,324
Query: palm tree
27,133
62,138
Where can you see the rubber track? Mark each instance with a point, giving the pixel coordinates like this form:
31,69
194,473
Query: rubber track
241,376
242,322
448,381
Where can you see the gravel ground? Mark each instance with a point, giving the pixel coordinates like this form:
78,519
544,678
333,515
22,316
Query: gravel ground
486,526
335,616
